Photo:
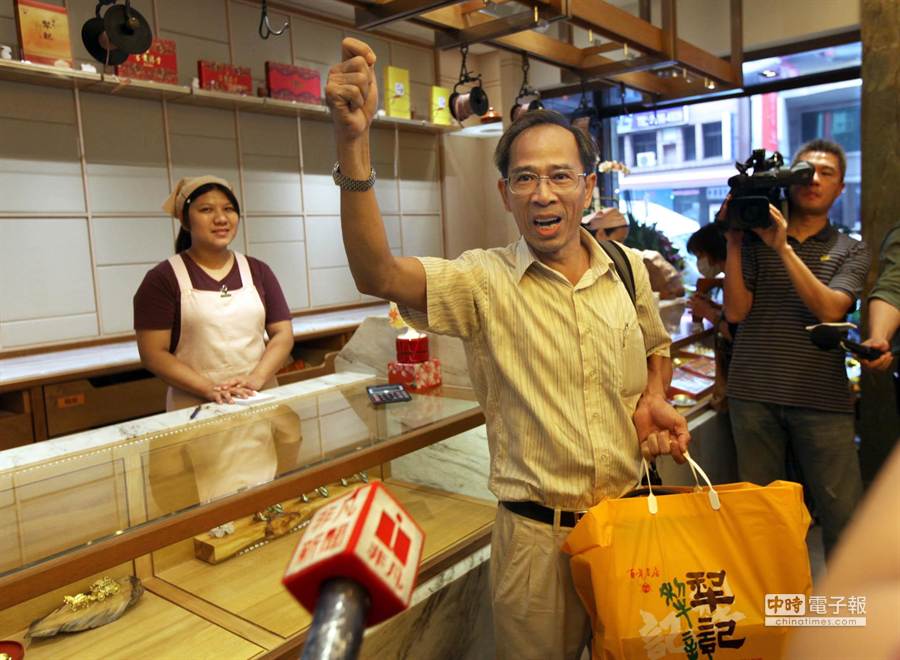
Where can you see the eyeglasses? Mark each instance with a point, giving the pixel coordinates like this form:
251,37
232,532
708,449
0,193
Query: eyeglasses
561,181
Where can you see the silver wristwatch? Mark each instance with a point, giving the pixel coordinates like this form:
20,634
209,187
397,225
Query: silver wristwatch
351,185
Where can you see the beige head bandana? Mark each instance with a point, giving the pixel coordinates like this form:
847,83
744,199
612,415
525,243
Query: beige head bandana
606,218
174,205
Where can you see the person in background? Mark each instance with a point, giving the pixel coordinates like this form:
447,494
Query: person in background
884,303
571,375
202,316
608,224
783,392
708,245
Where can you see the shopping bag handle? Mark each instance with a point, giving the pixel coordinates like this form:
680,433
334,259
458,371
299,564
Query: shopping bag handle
653,505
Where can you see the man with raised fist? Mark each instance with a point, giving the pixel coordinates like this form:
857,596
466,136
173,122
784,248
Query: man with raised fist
570,369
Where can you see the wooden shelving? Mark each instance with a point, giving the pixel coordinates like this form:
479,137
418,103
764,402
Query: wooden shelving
40,74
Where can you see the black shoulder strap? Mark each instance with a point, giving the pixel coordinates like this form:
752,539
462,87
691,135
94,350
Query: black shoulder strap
622,266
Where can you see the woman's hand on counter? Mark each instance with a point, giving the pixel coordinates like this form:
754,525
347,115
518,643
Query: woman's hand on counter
229,390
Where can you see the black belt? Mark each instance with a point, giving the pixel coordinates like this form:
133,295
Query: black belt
543,513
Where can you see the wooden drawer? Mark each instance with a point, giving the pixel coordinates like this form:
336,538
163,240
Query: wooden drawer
16,426
83,404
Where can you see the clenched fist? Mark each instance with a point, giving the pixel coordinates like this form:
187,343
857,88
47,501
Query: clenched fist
352,91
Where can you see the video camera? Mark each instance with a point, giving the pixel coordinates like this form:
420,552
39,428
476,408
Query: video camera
751,194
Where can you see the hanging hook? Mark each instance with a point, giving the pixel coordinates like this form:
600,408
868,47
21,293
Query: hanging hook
265,28
464,75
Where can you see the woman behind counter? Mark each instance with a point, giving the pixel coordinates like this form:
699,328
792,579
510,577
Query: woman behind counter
201,316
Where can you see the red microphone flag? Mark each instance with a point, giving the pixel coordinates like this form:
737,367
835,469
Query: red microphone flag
365,536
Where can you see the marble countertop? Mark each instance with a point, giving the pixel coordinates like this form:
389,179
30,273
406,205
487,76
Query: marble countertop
21,372
85,441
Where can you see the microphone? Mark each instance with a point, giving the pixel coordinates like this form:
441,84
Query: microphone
355,566
832,335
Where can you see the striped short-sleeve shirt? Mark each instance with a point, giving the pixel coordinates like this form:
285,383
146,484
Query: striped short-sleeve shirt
558,369
773,360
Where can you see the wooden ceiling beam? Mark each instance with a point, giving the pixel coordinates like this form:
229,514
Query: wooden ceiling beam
493,29
618,25
373,16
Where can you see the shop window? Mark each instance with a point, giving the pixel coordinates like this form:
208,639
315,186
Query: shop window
712,140
689,139
839,124
644,143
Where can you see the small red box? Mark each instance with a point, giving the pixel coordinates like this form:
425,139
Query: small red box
416,376
293,83
158,64
220,77
412,350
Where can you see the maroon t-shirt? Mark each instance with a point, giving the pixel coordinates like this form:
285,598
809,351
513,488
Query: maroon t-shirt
157,303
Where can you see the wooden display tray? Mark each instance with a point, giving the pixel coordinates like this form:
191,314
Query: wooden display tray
237,609
155,627
247,589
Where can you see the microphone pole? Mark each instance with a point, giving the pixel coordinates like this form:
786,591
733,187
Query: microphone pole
354,567
338,622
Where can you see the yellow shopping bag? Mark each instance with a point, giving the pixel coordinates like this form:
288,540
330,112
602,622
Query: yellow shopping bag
686,574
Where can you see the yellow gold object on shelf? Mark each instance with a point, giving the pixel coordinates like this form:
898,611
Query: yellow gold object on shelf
105,602
100,590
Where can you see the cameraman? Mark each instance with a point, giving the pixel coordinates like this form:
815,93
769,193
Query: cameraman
782,390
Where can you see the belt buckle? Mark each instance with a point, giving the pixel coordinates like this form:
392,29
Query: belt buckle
578,515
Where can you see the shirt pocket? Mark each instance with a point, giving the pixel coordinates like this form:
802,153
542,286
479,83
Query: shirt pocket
634,359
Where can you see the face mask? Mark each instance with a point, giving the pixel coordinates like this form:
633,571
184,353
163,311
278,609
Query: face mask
705,268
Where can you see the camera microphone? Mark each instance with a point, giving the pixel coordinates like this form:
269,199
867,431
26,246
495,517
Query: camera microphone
355,566
828,336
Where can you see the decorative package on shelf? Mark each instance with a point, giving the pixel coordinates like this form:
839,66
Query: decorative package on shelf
294,83
396,92
43,32
416,376
440,106
216,76
159,64
412,347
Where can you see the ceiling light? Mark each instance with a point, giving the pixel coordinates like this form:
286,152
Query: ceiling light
768,73
709,84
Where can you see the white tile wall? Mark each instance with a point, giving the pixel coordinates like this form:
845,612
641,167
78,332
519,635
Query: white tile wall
45,267
127,189
116,286
17,334
125,152
332,286
422,236
132,240
40,169
315,41
268,135
288,261
271,185
326,248
273,230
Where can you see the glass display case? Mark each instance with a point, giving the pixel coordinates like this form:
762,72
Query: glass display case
206,512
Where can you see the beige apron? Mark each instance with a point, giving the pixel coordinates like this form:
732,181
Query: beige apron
222,337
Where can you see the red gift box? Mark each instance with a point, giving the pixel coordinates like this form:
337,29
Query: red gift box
158,64
225,77
294,83
412,349
417,376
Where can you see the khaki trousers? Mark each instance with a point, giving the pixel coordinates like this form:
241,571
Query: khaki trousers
537,613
